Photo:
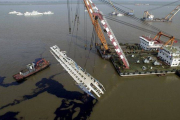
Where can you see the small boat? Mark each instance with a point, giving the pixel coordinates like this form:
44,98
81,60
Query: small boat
116,14
20,13
31,69
119,14
33,13
27,13
113,13
13,12
48,13
36,13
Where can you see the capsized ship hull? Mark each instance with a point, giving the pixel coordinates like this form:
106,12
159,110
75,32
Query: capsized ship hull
83,79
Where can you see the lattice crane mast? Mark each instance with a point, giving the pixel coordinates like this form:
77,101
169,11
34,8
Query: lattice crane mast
172,13
95,22
95,14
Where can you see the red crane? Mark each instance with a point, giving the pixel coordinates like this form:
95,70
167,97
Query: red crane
97,15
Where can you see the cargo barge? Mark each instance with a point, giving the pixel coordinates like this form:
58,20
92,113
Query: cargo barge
31,69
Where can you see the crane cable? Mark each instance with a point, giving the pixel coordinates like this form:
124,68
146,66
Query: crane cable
129,24
85,28
137,19
96,52
69,16
77,19
73,28
162,6
121,5
133,26
92,39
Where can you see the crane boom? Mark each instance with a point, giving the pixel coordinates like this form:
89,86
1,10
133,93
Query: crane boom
173,13
94,15
96,25
146,14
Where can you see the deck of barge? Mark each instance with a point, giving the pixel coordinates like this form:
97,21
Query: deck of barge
134,53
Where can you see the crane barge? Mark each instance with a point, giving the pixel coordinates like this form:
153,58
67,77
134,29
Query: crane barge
142,61
150,18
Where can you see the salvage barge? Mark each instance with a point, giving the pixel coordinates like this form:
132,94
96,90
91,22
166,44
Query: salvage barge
149,57
31,69
141,62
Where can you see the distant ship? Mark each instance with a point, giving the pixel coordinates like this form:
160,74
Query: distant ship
117,14
13,12
31,69
48,13
83,79
33,13
19,13
27,13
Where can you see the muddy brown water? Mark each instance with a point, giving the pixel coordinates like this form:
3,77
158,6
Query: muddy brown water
52,93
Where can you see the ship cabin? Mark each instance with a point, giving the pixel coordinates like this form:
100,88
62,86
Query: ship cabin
170,55
29,68
148,43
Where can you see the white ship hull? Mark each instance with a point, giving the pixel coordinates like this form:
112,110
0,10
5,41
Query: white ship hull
83,79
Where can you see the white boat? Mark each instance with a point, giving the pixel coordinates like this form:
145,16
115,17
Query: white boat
119,14
48,13
36,13
83,79
27,13
13,12
113,13
20,14
33,13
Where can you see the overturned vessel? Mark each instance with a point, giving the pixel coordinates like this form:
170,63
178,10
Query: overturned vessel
83,79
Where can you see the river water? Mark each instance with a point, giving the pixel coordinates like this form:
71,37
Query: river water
52,93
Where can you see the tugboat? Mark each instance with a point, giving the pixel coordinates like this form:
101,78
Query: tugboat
31,69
